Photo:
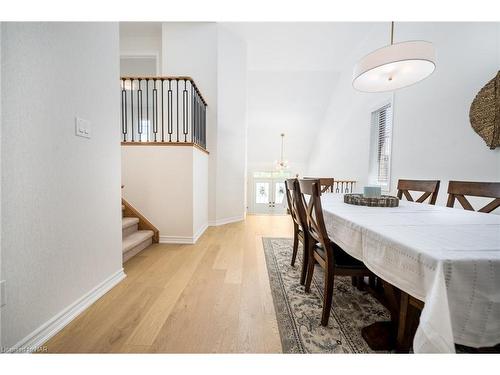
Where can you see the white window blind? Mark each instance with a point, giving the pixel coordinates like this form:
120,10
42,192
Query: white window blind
381,143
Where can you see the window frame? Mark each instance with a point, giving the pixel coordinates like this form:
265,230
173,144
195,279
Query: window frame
373,162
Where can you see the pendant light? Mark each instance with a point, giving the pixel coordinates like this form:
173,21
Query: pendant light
394,66
282,164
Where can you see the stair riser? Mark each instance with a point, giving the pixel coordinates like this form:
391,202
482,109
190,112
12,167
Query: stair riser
131,229
136,249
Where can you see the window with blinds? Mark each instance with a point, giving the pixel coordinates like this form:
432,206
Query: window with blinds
381,139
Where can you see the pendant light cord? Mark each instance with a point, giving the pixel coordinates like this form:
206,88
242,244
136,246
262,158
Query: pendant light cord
282,140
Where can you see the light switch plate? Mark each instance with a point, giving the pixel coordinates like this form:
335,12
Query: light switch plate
82,127
3,295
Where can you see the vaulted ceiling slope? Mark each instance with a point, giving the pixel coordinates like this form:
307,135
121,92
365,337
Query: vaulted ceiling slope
293,69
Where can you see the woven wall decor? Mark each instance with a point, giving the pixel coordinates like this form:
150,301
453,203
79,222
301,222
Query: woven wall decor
485,113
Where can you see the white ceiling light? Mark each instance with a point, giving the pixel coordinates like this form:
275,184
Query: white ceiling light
394,66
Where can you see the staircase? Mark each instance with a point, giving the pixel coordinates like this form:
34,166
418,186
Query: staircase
137,232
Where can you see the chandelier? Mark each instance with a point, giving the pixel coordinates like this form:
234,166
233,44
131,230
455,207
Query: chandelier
282,164
394,66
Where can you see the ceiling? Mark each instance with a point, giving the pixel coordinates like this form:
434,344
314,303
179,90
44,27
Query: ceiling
293,69
140,29
285,102
295,46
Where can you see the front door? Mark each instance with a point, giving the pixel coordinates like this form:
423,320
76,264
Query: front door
269,196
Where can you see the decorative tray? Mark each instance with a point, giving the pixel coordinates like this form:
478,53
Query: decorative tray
360,200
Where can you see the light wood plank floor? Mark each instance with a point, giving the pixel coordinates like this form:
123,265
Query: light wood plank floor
212,297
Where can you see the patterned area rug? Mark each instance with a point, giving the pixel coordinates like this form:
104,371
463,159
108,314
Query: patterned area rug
299,313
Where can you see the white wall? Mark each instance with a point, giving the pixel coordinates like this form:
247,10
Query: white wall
1,342
190,49
159,183
168,185
200,193
216,59
61,217
141,39
231,126
432,136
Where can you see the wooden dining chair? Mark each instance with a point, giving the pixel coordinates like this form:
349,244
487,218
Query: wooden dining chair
458,190
325,183
430,189
322,251
297,212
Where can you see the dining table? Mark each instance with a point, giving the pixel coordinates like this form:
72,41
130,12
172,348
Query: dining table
448,258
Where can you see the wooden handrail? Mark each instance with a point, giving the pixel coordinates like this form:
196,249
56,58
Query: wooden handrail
332,184
195,145
168,78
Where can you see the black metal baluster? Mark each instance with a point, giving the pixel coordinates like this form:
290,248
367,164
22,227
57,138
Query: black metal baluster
192,113
185,112
196,110
147,107
132,107
201,121
177,105
124,111
169,111
155,110
204,129
139,111
337,187
162,114
198,122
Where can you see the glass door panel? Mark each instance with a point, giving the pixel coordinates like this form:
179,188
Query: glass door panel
279,192
262,196
262,192
279,197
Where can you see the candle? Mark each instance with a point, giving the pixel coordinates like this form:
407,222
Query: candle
372,191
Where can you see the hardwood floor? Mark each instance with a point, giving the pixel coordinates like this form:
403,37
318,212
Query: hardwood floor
212,297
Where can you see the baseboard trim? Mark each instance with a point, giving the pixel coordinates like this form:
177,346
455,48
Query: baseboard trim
177,240
200,232
227,220
42,334
184,240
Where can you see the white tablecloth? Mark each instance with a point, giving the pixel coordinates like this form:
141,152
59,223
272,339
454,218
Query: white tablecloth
447,257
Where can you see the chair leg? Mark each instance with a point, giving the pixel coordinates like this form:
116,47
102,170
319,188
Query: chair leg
371,281
305,260
295,244
310,269
328,296
360,283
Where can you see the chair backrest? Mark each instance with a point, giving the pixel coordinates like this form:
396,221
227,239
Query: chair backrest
314,211
325,183
459,189
430,188
297,210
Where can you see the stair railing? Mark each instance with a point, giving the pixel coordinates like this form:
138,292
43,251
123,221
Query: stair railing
162,110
